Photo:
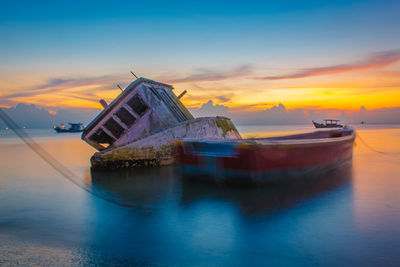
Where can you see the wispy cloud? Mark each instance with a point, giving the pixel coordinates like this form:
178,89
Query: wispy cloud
377,60
59,85
75,82
81,97
223,98
205,75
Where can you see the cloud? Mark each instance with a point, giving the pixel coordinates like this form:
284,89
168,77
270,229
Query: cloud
76,82
223,98
205,75
55,82
59,85
82,97
377,60
32,116
280,115
209,109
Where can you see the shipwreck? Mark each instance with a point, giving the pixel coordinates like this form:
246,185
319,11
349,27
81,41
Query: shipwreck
139,127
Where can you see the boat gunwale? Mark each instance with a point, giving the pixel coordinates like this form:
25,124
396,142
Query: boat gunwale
268,141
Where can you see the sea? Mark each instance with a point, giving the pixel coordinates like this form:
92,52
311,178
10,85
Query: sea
154,216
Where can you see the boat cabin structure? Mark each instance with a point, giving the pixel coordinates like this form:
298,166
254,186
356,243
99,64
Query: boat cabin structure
143,108
328,123
72,128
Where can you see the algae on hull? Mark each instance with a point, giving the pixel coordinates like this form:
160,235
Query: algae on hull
225,125
135,153
130,157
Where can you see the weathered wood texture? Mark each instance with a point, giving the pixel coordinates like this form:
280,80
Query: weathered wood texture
142,109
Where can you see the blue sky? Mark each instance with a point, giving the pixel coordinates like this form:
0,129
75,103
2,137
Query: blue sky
184,33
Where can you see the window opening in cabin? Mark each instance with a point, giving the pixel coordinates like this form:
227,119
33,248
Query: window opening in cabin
114,127
101,137
125,117
138,105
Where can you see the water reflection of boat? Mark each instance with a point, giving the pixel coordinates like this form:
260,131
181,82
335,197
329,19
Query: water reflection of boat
328,123
265,159
73,128
267,198
141,186
157,187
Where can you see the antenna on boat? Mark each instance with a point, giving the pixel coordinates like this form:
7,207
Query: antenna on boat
120,87
103,103
134,75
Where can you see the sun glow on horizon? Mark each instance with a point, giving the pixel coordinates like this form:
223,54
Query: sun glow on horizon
243,94
373,83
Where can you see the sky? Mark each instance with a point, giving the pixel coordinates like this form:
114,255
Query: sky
244,57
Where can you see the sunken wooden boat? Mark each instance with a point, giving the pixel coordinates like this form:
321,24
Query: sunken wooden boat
138,128
265,159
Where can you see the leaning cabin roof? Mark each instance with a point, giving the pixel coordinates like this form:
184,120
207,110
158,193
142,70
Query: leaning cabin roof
120,98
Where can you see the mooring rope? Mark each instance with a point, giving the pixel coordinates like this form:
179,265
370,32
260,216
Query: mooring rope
375,150
58,166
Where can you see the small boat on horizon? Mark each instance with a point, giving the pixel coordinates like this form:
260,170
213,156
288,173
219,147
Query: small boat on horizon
328,123
73,128
262,160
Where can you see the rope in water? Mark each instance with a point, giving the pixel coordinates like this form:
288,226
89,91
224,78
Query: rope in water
375,150
58,166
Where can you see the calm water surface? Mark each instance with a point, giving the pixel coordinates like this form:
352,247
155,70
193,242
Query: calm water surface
348,217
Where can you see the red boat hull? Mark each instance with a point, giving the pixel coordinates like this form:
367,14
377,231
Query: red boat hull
269,159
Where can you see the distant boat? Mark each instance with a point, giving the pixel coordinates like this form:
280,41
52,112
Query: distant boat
262,160
328,123
73,128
